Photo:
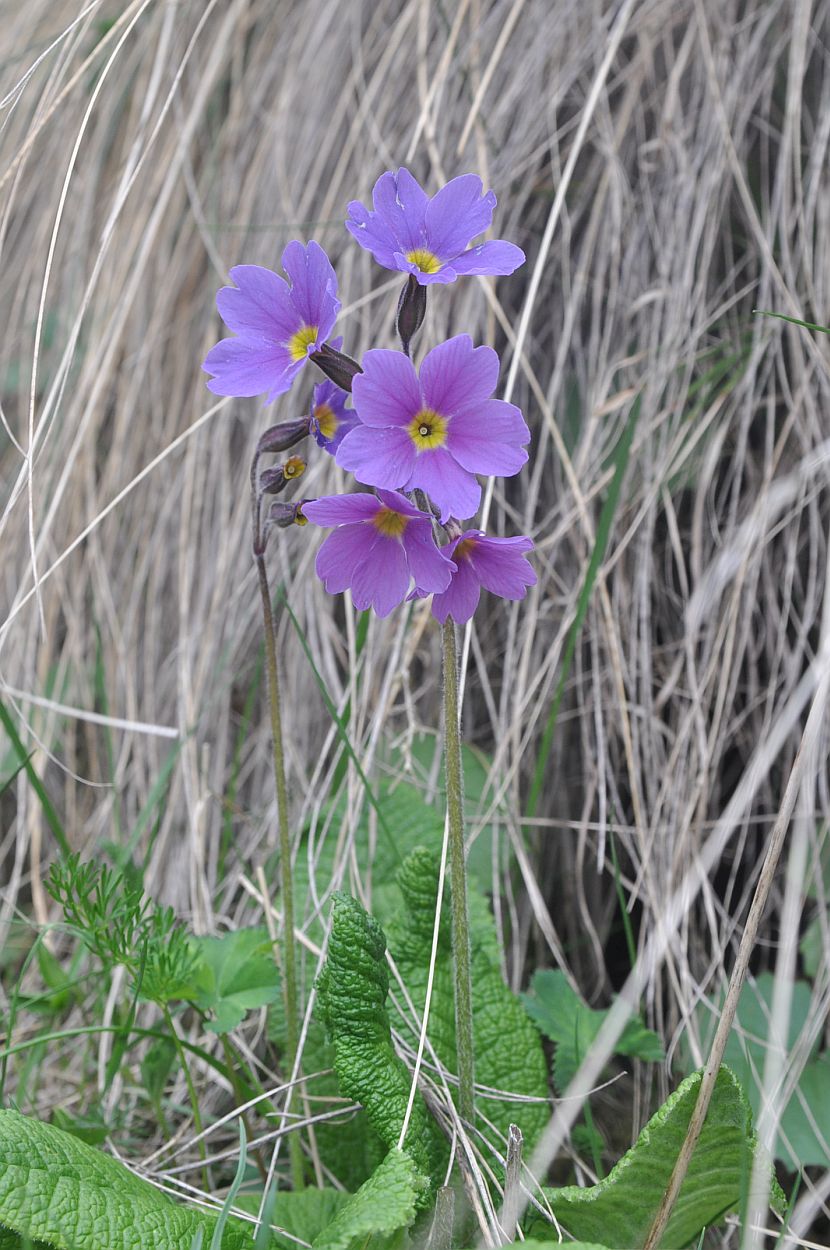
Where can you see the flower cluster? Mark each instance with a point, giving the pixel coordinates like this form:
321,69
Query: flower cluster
418,437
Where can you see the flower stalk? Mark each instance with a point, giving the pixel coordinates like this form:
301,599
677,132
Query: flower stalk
458,878
289,968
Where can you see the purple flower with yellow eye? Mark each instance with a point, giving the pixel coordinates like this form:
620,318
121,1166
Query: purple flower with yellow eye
381,541
497,564
434,431
330,419
430,238
277,326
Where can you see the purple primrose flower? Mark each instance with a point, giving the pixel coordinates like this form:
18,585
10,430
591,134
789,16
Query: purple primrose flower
435,432
497,564
430,237
278,326
379,544
330,419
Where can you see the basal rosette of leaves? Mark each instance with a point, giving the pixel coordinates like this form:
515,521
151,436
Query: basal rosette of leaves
418,437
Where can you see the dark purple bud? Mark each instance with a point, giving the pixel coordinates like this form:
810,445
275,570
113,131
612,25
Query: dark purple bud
412,308
285,514
281,437
336,365
272,481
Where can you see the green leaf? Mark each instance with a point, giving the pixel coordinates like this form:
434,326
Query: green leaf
620,1209
56,1189
803,1137
384,1206
301,1215
238,974
156,1067
563,1017
352,991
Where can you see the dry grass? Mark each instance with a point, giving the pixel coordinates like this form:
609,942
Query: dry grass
665,167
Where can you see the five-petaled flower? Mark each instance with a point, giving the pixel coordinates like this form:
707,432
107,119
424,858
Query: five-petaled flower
497,564
437,431
277,326
380,542
427,237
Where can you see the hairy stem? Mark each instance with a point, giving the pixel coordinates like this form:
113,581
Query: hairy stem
289,969
458,878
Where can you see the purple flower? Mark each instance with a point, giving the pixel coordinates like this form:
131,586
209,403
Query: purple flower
278,326
435,432
497,564
330,419
379,544
430,237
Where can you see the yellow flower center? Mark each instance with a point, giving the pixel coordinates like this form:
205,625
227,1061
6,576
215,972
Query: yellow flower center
426,261
390,523
464,548
300,342
428,430
327,422
294,467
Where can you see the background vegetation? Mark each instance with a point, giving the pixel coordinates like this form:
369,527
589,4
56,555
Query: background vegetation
664,166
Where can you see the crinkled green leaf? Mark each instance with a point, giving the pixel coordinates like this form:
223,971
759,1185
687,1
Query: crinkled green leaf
383,1208
620,1209
352,990
508,1052
563,1017
804,1136
56,1189
238,974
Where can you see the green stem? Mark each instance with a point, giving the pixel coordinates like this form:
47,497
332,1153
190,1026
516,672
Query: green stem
289,969
191,1090
458,878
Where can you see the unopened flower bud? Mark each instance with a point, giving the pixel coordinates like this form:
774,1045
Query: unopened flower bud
336,365
285,514
281,437
412,308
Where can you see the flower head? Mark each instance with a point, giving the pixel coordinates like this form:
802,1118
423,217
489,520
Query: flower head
380,542
330,419
277,326
497,564
435,431
430,237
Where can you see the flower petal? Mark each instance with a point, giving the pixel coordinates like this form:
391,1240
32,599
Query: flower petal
259,306
427,563
401,205
243,368
496,256
313,286
341,555
451,488
386,393
443,276
400,503
382,579
488,438
458,213
501,567
377,457
372,234
455,374
342,509
461,599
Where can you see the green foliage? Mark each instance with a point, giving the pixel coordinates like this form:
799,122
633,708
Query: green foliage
563,1017
508,1052
120,926
58,1190
382,1209
803,1138
237,974
619,1210
302,1215
352,991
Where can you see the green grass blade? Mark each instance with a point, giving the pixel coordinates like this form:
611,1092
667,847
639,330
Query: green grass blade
52,818
794,321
